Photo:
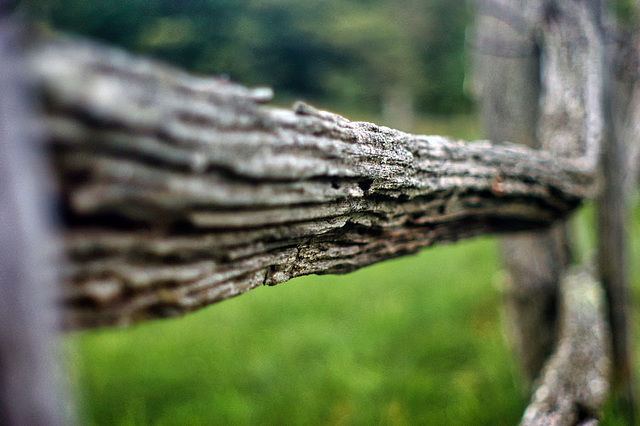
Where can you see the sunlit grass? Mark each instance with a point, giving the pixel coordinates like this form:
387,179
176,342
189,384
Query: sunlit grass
413,340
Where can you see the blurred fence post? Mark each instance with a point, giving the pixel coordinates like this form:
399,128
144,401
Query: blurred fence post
612,218
507,82
574,118
28,312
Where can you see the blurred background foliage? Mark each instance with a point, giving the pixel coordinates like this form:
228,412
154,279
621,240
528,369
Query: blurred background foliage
345,53
410,341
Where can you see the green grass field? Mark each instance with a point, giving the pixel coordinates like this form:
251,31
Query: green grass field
410,341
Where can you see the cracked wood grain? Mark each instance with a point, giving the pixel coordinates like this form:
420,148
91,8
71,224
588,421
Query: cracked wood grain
180,191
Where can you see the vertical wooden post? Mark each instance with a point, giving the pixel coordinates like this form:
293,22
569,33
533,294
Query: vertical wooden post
612,220
507,81
574,113
620,168
28,318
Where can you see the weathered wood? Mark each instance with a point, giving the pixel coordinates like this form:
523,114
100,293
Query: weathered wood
555,54
573,76
507,69
574,383
182,191
571,123
29,394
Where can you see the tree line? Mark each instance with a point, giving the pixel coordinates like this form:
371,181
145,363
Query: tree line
335,52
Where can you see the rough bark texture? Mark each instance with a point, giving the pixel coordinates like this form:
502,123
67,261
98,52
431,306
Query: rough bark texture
572,73
179,191
574,383
507,73
28,314
182,191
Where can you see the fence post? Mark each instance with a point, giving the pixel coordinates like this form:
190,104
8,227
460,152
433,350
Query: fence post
507,73
28,316
612,211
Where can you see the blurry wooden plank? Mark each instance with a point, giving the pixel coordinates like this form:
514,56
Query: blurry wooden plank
507,77
29,314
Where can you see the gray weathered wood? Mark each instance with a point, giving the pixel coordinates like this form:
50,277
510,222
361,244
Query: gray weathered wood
29,394
573,76
570,122
179,191
507,69
573,385
571,116
182,191
555,54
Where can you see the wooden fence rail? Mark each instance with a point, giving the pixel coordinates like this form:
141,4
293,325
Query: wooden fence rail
177,191
181,191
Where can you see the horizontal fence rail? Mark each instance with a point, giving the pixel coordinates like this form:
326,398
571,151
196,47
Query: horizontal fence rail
178,191
181,191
